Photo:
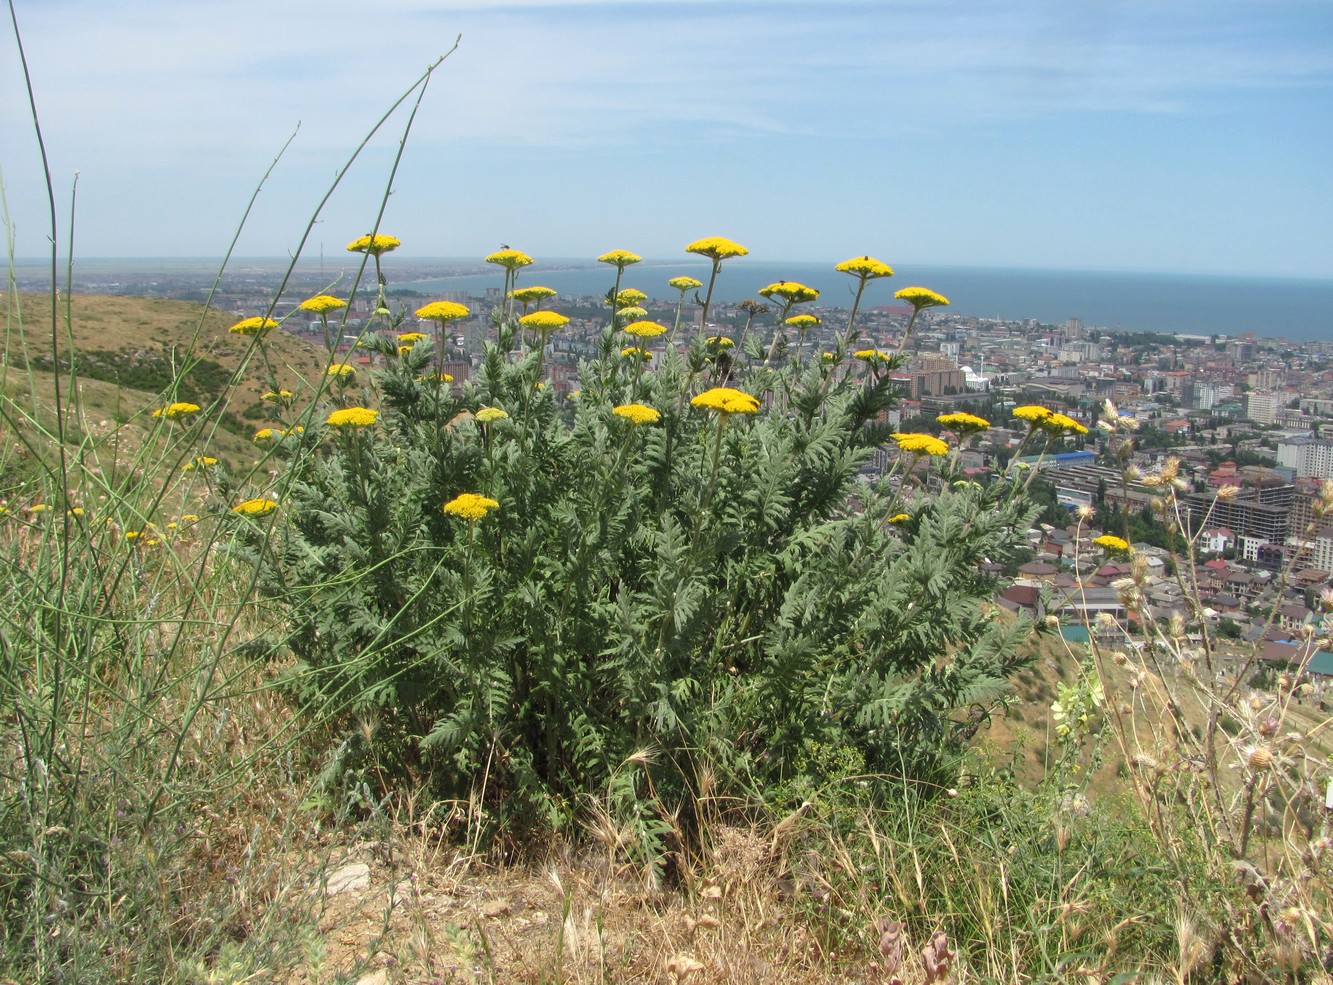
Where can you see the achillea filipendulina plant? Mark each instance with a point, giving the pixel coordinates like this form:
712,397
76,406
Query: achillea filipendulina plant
253,326
177,411
376,245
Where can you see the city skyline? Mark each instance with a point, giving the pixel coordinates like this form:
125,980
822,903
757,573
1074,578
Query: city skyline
1105,136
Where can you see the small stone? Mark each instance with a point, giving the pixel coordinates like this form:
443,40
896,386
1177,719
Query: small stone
379,977
348,878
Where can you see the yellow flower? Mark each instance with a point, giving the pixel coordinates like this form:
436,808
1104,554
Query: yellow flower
684,284
488,415
720,342
509,259
866,268
340,370
322,304
716,248
900,517
1112,543
201,462
963,423
789,291
619,258
265,434
631,314
921,444
189,518
470,506
278,396
829,357
921,297
404,350
633,352
872,356
38,508
133,534
544,321
443,311
637,413
527,295
173,412
352,417
76,511
375,245
1032,413
412,338
803,323
725,400
436,378
630,297
255,507
1056,423
253,326
644,329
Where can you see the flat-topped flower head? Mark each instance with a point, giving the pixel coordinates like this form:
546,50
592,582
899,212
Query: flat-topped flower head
341,371
544,321
684,284
253,326
725,400
866,268
376,245
489,415
631,314
509,259
630,297
176,411
527,295
412,338
470,506
1032,413
1112,544
277,396
619,258
634,352
921,444
872,357
255,507
789,291
829,357
265,435
803,323
202,462
716,248
435,378
644,329
322,304
720,342
637,413
961,422
921,297
900,517
352,418
1060,423
443,311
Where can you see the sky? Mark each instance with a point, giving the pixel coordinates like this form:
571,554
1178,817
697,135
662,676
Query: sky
1140,135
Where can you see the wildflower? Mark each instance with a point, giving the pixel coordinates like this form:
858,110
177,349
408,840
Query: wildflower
509,259
38,508
684,284
1228,493
404,350
963,423
489,415
201,462
341,371
264,434
1085,511
174,412
630,297
1032,413
352,417
633,352
872,356
253,326
436,378
322,304
716,248
76,511
255,507
619,258
470,506
720,342
1058,423
527,295
412,338
867,268
803,323
829,357
637,413
789,291
1112,543
544,322
631,314
921,444
189,518
644,329
133,534
443,311
1259,759
900,517
725,400
277,396
374,245
921,297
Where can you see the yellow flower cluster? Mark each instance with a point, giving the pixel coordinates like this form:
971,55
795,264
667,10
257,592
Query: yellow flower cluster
255,507
176,411
277,396
789,291
470,506
645,329
684,284
201,462
633,352
489,415
619,258
443,311
509,259
435,378
725,400
322,304
1032,413
527,295
637,413
866,268
630,297
1112,543
412,338
544,321
921,297
374,245
253,326
265,434
872,356
340,370
720,342
631,314
717,248
921,444
803,323
352,417
900,517
1059,423
963,423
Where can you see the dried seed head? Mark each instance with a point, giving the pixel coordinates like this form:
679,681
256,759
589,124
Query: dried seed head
1269,726
1119,658
1260,759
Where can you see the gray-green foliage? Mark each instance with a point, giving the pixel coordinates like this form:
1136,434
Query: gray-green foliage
640,587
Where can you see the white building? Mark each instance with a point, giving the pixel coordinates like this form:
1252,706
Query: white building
1310,457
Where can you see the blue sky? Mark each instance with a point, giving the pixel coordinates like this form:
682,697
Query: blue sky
1090,134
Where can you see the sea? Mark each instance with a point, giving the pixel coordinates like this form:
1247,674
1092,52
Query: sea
1300,310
